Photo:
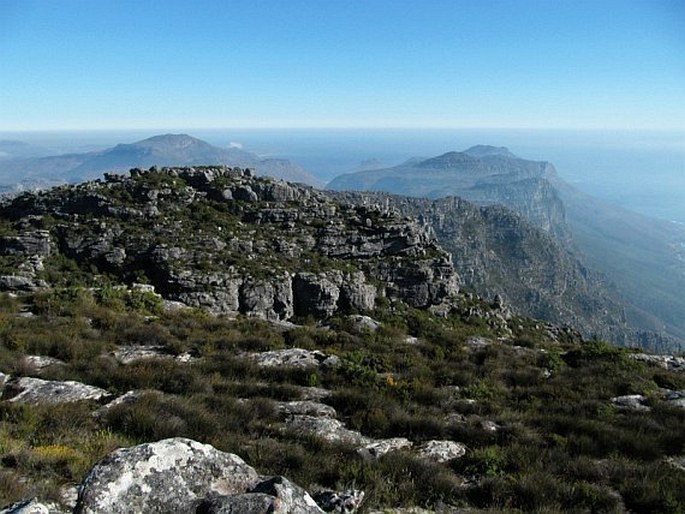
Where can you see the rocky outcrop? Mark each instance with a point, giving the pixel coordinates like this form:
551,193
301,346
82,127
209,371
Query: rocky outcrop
20,283
674,398
296,358
128,398
35,242
41,362
288,497
222,239
306,408
377,449
129,354
343,502
669,362
31,247
328,429
167,476
322,294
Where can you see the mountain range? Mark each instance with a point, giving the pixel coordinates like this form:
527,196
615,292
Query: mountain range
642,257
162,150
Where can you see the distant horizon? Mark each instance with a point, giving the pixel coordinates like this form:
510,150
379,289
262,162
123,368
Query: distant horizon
609,164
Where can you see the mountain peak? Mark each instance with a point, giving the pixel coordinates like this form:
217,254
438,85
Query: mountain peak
170,140
489,151
447,160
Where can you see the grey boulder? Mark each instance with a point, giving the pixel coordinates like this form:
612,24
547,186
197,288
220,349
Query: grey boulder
39,391
171,475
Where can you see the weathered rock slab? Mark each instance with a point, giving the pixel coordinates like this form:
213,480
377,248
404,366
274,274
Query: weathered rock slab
362,323
128,398
307,408
380,447
441,451
39,391
330,430
129,354
40,362
635,402
296,358
315,394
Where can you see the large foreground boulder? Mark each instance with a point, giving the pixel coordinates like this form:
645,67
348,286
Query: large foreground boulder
172,475
183,476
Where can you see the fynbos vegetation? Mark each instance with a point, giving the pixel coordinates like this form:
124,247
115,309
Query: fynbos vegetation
403,388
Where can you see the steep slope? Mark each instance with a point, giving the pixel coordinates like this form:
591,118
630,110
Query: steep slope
641,256
498,253
162,150
645,258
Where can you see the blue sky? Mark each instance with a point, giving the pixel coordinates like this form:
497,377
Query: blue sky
118,64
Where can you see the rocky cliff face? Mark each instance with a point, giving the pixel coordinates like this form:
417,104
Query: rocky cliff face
223,239
498,253
639,256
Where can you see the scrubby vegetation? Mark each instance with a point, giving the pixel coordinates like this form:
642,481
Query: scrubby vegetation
534,412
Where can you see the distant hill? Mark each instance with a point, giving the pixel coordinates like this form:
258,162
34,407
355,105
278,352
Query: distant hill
494,177
10,149
162,150
644,257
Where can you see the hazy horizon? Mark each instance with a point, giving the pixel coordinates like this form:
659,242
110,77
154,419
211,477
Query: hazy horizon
639,170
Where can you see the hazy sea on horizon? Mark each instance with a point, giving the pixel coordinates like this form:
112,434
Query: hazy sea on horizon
643,171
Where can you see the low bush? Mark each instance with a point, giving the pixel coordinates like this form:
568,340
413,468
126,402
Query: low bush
557,443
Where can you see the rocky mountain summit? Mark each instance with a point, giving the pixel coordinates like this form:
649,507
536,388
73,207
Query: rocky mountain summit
225,240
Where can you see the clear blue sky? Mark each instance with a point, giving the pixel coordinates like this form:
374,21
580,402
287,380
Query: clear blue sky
83,64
